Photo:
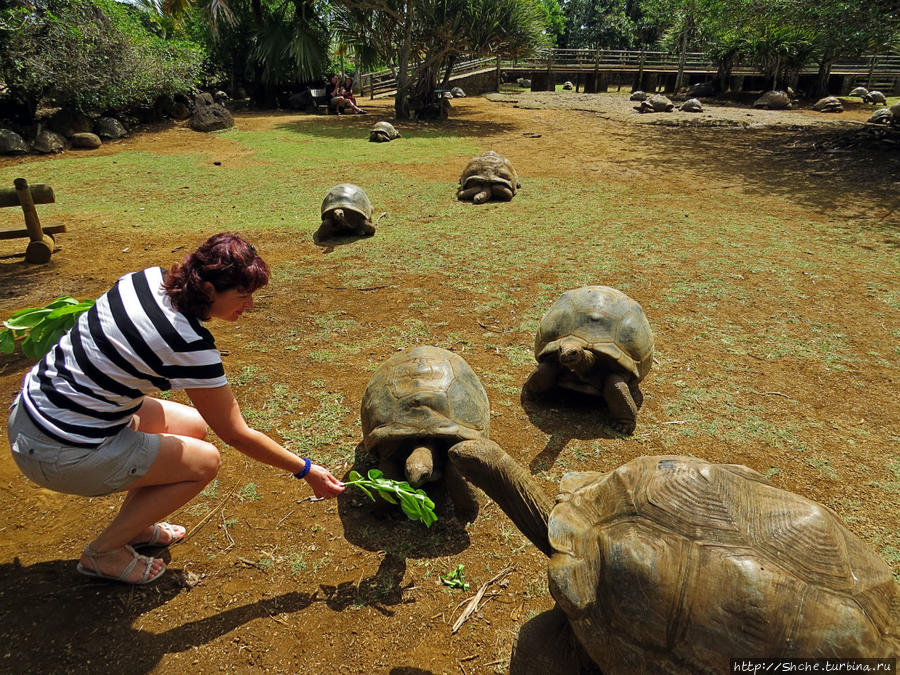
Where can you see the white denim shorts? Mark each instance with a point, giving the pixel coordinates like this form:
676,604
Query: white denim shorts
110,467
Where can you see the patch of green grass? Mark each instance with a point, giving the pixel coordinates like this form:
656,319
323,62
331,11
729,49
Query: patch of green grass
822,464
249,493
247,375
211,490
309,434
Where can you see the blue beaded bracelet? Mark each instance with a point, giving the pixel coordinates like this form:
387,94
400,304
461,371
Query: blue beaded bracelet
302,473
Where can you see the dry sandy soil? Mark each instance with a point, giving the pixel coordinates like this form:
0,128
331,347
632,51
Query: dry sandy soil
287,585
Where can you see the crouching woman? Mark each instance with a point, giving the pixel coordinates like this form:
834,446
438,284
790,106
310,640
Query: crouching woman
84,422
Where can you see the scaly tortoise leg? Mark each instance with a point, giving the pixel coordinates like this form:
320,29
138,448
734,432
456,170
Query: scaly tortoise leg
621,404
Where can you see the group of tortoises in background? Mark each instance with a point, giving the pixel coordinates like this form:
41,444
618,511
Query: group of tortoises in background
771,100
665,564
347,210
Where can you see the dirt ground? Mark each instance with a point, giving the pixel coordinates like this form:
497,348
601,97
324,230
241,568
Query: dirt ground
295,586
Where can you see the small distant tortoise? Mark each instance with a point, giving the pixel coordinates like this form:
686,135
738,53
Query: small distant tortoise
568,86
691,105
346,210
524,82
860,92
656,103
595,340
639,96
383,132
881,116
676,565
828,104
458,92
417,404
773,100
875,97
488,176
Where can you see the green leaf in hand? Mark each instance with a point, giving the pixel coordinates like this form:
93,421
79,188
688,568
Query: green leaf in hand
414,502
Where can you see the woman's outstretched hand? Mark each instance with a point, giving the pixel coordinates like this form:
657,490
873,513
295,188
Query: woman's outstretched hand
323,484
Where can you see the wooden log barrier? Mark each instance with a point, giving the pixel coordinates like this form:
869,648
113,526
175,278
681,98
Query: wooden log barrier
41,243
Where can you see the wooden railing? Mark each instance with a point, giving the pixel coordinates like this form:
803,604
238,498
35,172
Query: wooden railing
619,59
382,82
874,66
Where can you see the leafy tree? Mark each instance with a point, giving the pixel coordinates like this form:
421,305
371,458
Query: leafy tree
261,43
432,33
89,54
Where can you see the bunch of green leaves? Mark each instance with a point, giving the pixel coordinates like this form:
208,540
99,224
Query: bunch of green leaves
42,326
455,579
414,502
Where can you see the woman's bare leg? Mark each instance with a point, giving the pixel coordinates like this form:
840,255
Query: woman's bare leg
184,466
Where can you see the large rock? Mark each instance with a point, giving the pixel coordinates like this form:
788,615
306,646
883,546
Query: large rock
85,140
11,143
48,142
67,122
109,127
203,99
211,117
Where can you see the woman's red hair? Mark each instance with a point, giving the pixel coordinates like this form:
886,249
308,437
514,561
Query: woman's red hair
224,260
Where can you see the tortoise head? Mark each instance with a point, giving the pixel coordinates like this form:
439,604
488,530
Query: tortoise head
574,356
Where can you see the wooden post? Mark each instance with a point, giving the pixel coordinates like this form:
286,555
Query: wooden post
551,86
41,245
596,70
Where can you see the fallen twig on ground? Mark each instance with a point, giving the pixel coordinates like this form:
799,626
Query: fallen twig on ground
473,602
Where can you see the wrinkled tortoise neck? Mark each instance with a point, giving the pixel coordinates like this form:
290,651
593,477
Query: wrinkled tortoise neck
572,355
486,465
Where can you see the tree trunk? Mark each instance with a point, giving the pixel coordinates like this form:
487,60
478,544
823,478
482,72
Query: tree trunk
682,58
401,99
822,78
451,61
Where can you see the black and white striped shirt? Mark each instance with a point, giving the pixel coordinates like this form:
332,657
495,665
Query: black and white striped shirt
131,343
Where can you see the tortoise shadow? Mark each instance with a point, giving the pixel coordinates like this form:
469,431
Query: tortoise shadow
59,621
565,415
330,243
380,526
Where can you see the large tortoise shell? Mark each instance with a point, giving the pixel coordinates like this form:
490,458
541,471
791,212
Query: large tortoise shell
672,564
489,168
347,196
384,131
424,392
602,319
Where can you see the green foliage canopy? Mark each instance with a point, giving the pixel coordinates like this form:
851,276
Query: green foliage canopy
90,55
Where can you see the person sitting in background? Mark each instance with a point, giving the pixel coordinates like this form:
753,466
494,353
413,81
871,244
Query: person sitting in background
347,91
85,424
338,102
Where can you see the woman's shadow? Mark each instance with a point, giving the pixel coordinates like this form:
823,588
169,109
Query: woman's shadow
55,620
565,415
380,526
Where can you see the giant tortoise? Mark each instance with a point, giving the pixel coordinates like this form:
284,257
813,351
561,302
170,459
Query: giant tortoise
675,565
828,104
417,404
346,209
383,132
595,340
656,103
488,176
875,97
773,100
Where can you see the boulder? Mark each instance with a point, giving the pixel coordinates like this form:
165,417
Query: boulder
179,111
203,99
49,142
11,143
85,140
109,127
67,122
701,89
212,117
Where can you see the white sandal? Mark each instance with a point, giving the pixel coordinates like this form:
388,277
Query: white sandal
176,533
129,568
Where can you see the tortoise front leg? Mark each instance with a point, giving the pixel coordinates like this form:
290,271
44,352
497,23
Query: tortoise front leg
621,404
326,229
366,228
468,194
462,494
542,379
501,192
482,196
